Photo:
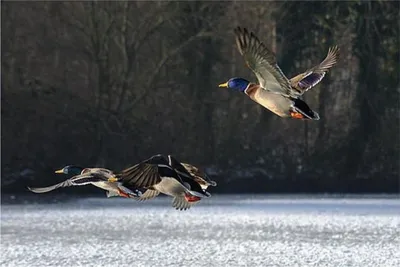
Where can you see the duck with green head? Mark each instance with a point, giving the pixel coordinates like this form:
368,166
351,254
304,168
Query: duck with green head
99,177
274,90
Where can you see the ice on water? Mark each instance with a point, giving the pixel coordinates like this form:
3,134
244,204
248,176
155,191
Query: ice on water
220,231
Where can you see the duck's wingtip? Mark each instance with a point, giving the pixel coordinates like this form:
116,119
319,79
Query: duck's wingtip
239,29
32,189
316,116
213,183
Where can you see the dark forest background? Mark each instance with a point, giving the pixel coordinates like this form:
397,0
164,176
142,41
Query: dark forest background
111,83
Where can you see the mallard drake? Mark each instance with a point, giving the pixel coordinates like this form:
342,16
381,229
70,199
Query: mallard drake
99,177
275,91
165,174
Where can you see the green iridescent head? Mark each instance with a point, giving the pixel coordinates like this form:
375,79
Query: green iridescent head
238,84
70,169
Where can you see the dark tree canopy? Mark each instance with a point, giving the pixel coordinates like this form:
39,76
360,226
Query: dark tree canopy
111,83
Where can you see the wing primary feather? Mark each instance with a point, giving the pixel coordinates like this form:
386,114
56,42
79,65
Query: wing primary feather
140,175
262,62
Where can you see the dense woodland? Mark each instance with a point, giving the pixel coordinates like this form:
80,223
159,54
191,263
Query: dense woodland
111,83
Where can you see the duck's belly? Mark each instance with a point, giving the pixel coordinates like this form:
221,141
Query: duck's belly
272,101
170,186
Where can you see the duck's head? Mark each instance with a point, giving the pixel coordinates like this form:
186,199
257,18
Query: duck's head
238,84
70,169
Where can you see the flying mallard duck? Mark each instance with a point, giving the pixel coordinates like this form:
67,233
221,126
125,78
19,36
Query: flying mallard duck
99,177
275,91
160,174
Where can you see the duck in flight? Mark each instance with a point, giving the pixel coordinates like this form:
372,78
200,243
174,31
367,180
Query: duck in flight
274,90
99,177
165,174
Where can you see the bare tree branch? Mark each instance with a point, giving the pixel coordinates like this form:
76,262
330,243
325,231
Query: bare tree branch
161,64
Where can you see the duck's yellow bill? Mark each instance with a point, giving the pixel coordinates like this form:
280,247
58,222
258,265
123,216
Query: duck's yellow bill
59,171
112,179
223,85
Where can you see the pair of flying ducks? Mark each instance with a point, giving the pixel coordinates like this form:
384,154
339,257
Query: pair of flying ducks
186,183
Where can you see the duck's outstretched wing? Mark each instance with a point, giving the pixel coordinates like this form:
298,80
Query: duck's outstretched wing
199,176
46,189
179,168
262,62
185,177
79,180
311,77
180,203
144,174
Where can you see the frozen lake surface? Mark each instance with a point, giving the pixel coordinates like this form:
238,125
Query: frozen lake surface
220,231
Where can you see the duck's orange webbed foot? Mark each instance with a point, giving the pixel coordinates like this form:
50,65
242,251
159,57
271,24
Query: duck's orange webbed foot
190,198
297,115
122,194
